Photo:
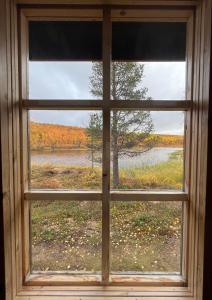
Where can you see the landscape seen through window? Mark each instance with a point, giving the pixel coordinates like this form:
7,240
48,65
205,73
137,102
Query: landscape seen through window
147,153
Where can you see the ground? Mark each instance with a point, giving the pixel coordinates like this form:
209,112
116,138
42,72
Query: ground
66,235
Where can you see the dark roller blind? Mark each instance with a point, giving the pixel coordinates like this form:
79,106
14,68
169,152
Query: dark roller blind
131,41
147,41
65,40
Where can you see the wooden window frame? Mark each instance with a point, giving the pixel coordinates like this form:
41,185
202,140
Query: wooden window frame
106,105
23,286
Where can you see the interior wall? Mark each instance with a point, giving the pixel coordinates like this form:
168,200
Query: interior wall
2,90
207,290
2,277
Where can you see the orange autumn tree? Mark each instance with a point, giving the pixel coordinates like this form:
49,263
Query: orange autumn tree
53,136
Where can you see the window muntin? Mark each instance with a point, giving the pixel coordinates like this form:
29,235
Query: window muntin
106,106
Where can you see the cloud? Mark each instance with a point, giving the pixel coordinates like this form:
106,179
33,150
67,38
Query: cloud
165,80
70,80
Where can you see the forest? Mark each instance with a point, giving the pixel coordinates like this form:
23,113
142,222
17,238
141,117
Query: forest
45,136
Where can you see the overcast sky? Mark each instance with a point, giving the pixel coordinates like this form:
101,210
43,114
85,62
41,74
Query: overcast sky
70,80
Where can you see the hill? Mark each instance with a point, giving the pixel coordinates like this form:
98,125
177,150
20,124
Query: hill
52,136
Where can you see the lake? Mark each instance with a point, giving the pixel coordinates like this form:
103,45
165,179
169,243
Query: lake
82,157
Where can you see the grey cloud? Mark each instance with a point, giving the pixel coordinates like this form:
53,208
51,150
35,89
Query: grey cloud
70,80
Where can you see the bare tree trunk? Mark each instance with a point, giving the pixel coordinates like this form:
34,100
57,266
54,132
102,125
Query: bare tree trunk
115,167
115,133
92,152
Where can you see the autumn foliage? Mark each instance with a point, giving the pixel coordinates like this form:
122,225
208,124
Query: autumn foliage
53,136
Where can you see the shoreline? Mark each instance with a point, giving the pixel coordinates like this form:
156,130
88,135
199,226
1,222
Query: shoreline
178,147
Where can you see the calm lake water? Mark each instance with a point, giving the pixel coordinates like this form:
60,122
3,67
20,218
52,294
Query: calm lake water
82,158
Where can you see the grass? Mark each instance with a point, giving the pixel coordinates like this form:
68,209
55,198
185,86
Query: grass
164,175
62,177
66,235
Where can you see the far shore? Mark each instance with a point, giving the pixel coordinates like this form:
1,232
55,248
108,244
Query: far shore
47,149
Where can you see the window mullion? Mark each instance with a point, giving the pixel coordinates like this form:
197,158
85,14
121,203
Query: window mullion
106,147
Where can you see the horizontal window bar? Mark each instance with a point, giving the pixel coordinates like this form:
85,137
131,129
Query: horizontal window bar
151,15
148,196
151,104
63,195
57,278
175,105
120,4
62,104
62,279
148,279
63,13
97,196
130,13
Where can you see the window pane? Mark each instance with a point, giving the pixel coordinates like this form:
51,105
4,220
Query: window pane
66,236
68,80
147,150
65,150
148,41
65,40
149,61
61,56
148,80
146,237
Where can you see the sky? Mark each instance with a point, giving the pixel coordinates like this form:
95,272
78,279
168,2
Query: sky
70,80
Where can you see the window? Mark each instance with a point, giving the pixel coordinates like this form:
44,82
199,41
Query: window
105,118
103,148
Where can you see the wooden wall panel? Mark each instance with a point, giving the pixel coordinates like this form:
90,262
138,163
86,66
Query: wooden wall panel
4,181
207,277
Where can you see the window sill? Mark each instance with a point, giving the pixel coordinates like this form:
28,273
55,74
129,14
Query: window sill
152,288
65,279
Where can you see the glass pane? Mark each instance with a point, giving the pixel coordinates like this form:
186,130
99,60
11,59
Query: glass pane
148,80
68,80
148,41
146,237
147,150
61,56
66,236
65,150
149,61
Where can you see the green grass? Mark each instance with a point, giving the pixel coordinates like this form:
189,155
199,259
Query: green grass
166,175
66,235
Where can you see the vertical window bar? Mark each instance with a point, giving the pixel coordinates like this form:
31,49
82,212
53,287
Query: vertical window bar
106,147
187,147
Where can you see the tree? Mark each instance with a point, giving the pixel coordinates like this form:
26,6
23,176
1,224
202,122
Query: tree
128,128
94,133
